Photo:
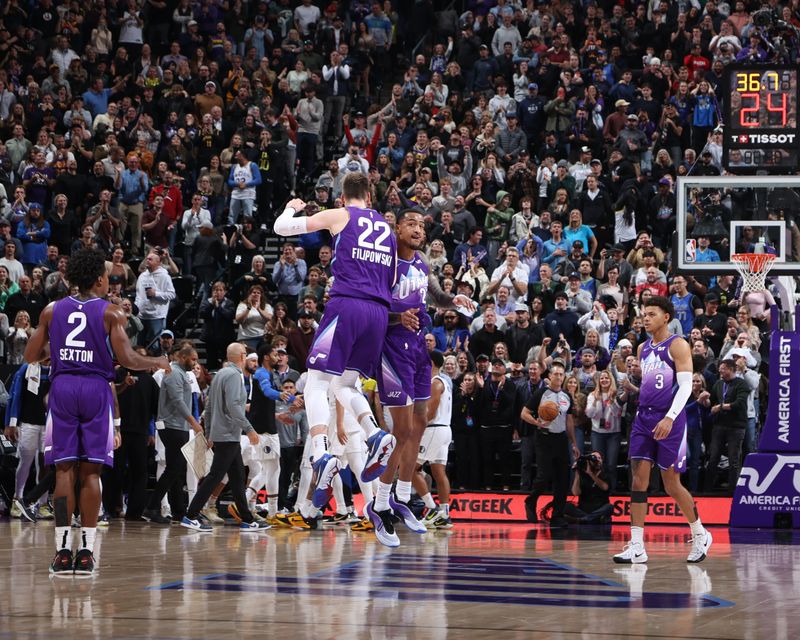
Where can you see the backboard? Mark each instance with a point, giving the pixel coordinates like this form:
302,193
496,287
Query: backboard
721,215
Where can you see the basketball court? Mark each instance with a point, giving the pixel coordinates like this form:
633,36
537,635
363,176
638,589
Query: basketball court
478,580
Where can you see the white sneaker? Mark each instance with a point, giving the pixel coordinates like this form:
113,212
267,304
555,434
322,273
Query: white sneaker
633,553
700,545
212,516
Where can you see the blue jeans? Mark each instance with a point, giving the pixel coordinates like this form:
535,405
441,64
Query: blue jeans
608,445
151,331
243,207
694,462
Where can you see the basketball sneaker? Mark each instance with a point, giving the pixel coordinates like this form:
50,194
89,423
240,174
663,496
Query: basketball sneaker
24,512
84,563
632,553
431,515
384,528
45,512
336,518
102,521
352,517
441,522
701,543
325,470
380,445
253,527
234,511
296,521
196,525
274,521
404,512
62,563
212,516
362,525
155,517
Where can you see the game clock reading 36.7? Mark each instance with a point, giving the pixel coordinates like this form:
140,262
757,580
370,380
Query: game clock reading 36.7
761,132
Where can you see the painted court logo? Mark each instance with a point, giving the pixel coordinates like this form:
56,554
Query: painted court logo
501,580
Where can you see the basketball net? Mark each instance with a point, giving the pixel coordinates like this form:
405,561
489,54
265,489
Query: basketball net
753,267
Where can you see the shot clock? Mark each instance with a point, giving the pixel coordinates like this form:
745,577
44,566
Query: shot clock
761,125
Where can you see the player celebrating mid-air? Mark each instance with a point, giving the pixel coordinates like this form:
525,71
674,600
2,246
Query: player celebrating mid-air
80,436
353,327
404,380
658,434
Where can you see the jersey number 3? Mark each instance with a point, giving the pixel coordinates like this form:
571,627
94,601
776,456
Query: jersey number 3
76,318
381,228
659,381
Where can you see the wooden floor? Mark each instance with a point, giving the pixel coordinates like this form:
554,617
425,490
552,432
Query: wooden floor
477,581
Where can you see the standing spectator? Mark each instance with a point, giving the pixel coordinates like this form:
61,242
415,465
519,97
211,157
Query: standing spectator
191,221
243,181
308,113
605,411
217,313
132,185
252,316
496,410
34,232
729,407
154,291
27,300
288,274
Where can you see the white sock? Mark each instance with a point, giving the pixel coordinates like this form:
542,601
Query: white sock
696,527
637,535
62,538
445,506
403,490
87,538
368,424
307,509
382,497
272,506
428,500
319,446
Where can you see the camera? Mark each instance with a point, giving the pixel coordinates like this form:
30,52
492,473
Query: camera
586,461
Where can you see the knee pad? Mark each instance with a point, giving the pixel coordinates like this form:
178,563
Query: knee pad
639,497
316,398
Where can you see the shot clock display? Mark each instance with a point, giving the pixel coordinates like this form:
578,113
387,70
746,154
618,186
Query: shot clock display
761,128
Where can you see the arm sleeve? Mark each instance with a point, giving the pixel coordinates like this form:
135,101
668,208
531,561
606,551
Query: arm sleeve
684,391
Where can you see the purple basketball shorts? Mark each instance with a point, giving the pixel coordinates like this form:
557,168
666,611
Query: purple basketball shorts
405,372
80,422
350,336
669,453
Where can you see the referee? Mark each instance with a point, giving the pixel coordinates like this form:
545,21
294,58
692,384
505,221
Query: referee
552,453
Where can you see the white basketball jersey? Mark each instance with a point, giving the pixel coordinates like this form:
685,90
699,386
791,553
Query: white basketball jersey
445,410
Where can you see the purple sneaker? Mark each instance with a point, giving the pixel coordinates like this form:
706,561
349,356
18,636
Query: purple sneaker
380,444
403,511
384,528
325,470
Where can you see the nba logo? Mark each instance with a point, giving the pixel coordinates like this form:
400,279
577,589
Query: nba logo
691,250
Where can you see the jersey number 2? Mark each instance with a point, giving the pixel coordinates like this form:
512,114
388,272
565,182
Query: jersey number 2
79,318
378,227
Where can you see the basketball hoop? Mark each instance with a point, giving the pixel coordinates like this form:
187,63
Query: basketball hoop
753,267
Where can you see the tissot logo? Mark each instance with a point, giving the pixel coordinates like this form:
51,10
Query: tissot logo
763,138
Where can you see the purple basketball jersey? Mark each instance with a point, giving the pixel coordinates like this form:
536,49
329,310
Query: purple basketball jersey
79,339
658,375
411,287
364,259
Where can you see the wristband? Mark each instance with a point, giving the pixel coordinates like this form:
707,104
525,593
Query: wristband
117,423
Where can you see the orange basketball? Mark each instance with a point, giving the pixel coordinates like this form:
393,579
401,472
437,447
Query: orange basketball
548,411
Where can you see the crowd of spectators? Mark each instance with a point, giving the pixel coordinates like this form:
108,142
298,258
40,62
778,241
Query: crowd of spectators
541,141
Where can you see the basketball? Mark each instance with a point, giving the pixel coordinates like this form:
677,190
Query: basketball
548,411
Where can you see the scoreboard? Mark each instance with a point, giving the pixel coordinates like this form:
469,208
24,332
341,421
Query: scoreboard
761,126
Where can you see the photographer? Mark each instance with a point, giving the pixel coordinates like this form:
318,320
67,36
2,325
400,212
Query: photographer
591,487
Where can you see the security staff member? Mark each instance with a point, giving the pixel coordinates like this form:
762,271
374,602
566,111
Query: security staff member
552,455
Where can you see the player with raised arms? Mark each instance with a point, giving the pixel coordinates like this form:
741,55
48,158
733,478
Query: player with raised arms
658,434
351,332
85,332
404,379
